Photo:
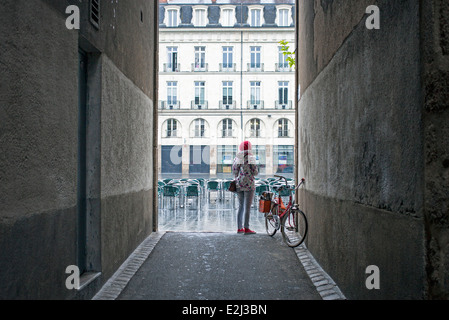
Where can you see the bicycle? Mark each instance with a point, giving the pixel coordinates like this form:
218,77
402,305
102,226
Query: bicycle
290,220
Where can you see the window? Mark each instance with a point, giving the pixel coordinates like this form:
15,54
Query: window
283,128
172,18
200,17
200,58
172,94
228,57
255,128
256,17
259,154
227,94
255,58
255,94
227,128
227,17
172,58
199,94
283,159
283,18
172,127
199,159
225,158
200,128
283,63
283,93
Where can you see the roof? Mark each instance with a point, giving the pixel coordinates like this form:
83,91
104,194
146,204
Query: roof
235,2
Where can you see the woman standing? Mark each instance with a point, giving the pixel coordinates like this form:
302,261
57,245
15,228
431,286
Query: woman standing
245,169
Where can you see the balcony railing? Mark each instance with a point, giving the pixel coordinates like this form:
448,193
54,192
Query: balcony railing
171,133
283,67
200,68
227,106
227,67
255,133
227,133
283,106
165,105
168,67
199,105
256,67
284,133
198,134
256,105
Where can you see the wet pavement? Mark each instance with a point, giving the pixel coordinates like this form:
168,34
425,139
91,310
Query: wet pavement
220,266
198,255
214,215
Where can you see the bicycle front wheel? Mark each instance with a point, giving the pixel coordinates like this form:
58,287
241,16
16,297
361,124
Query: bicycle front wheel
272,222
294,227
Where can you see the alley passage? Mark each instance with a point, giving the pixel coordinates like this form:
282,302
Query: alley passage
220,266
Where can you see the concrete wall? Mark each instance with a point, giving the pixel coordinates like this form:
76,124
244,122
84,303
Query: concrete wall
39,141
361,140
435,53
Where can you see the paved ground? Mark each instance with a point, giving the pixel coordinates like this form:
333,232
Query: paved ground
197,255
220,266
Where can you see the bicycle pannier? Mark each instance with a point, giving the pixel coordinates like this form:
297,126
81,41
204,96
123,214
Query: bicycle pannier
265,202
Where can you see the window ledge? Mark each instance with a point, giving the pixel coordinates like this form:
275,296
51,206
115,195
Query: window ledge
87,278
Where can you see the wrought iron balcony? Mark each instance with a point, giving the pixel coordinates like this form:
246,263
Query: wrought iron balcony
168,67
227,106
256,105
169,105
284,106
256,67
199,105
283,67
200,67
171,133
230,67
227,133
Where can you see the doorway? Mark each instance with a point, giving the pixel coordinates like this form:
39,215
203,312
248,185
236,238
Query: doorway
222,81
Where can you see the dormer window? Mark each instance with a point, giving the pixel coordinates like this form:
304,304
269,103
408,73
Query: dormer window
172,17
200,16
283,18
255,16
227,16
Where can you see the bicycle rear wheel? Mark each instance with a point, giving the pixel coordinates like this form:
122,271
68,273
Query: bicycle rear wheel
294,228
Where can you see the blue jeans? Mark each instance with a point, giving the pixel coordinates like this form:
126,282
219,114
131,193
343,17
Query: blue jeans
245,201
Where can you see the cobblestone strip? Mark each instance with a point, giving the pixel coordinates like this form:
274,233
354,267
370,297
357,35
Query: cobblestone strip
115,285
326,287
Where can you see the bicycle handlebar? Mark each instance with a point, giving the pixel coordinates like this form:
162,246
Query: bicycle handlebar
286,182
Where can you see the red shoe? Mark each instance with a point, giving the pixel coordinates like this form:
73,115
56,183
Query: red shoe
241,230
249,231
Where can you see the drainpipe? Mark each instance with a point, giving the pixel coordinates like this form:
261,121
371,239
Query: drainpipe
241,71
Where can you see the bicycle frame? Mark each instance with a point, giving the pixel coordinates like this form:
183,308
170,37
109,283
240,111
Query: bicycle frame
290,204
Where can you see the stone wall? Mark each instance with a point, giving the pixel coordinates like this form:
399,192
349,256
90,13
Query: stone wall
361,144
435,53
39,121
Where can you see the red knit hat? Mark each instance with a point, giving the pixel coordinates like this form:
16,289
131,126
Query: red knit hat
246,145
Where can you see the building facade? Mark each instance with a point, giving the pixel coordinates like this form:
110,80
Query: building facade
224,79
